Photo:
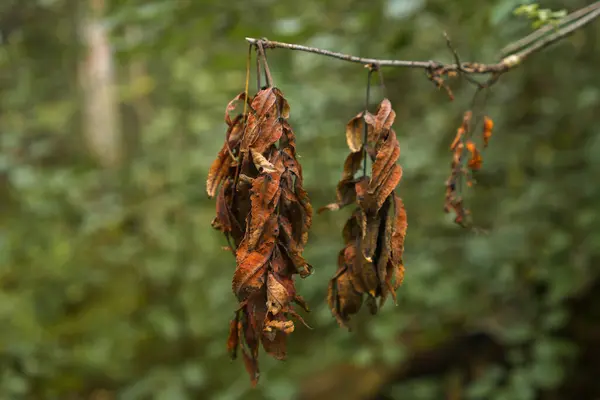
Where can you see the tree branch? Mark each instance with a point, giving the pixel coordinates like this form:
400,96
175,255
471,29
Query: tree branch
435,68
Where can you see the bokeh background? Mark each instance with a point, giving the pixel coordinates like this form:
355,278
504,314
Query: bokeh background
114,286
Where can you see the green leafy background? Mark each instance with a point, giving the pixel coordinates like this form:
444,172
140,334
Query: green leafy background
114,285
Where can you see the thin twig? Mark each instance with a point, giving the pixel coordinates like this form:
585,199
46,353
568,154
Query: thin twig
261,49
258,72
365,127
537,34
502,66
457,62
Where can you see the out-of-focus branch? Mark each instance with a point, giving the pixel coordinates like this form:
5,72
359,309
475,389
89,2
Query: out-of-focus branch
539,33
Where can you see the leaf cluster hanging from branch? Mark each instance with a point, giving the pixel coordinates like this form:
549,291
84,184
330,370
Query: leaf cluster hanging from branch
263,207
464,165
371,261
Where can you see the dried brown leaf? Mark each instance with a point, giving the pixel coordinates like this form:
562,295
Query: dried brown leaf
476,161
250,274
265,195
383,120
233,339
263,105
386,174
262,164
488,126
277,295
342,298
355,132
398,235
384,242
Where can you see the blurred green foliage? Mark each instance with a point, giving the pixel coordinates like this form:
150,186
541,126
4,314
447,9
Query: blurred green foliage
113,284
540,16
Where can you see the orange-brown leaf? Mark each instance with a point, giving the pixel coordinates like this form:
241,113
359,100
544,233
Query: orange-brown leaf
233,339
263,109
264,198
218,170
250,274
476,160
270,132
384,119
459,134
488,126
388,152
286,326
399,231
386,174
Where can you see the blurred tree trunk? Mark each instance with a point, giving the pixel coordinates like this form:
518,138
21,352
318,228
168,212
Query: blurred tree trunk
99,96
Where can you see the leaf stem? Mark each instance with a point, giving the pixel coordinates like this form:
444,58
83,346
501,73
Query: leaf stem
365,127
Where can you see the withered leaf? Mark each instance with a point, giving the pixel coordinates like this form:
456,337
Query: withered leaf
233,339
384,241
343,300
251,364
363,274
261,163
382,121
355,132
386,174
224,161
476,160
274,343
460,132
223,219
270,132
262,106
249,276
264,198
264,126
277,295
398,235
352,229
488,125
370,236
283,326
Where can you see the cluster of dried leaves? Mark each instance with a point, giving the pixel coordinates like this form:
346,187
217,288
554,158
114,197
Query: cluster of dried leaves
462,141
371,261
263,207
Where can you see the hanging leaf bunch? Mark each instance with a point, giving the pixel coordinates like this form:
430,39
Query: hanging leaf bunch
265,213
371,263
